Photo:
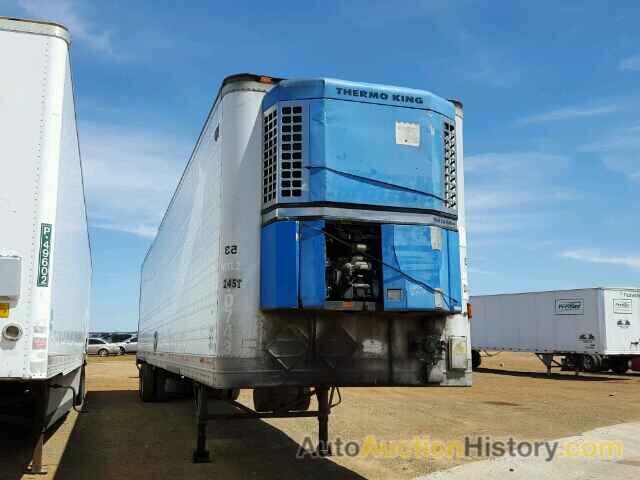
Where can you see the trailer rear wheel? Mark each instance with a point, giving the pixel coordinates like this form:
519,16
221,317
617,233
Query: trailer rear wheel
162,394
476,359
619,365
147,383
591,363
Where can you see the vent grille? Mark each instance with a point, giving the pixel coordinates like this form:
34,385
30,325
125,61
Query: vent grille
291,152
450,166
270,154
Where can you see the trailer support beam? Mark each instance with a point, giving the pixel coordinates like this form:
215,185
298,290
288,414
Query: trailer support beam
324,408
242,412
40,392
37,467
201,454
549,361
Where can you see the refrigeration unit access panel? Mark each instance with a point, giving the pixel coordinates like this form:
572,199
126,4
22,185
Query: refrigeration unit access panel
359,199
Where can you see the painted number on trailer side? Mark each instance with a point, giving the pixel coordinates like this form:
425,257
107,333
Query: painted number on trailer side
232,282
44,262
230,249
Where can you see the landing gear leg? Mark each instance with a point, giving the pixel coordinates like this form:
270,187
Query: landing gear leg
324,450
40,402
201,454
547,359
36,467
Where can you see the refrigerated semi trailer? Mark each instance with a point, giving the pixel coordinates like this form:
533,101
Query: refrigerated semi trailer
45,261
593,329
315,240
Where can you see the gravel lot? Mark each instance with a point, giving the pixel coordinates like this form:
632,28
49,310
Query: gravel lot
122,438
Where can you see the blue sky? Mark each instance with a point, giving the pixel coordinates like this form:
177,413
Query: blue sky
552,126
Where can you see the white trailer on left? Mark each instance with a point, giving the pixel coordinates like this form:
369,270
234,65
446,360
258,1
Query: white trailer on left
45,258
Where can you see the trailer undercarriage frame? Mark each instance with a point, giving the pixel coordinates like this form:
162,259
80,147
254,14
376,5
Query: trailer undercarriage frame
242,412
550,362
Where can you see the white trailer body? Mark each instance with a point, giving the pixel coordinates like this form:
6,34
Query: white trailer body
594,321
45,261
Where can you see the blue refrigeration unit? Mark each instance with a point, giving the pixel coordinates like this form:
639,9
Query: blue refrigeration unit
359,199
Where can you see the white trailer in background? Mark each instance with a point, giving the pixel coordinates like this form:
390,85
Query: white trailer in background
594,329
45,260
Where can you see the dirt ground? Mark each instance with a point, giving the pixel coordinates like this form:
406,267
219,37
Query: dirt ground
119,437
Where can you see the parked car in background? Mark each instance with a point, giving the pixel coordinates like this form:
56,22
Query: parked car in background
131,345
121,339
99,346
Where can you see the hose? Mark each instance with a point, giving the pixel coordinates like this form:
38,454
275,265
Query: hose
73,391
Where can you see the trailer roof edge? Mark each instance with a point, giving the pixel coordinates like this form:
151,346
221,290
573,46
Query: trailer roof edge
36,27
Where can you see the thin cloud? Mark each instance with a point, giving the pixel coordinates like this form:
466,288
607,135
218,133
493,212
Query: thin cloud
626,165
510,191
130,176
630,63
144,231
619,151
568,113
511,163
68,13
595,256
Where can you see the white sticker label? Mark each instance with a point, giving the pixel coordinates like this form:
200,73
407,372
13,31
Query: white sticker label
372,346
622,305
408,134
573,306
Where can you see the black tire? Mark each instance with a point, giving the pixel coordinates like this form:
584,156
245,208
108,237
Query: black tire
262,401
591,363
122,351
232,394
570,363
147,383
82,389
605,363
304,399
476,359
162,395
619,365
187,387
103,352
224,393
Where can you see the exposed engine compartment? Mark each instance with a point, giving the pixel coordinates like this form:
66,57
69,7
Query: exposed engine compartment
353,268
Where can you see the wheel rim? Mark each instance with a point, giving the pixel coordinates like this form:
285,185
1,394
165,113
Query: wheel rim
588,363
